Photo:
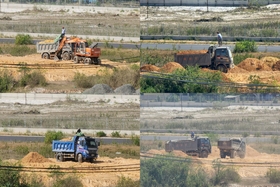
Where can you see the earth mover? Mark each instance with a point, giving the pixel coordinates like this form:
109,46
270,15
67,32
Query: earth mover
70,48
216,58
80,148
232,147
197,146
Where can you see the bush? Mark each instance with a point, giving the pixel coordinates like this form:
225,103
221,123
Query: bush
101,134
245,46
21,149
116,134
22,39
273,175
33,79
127,182
6,81
46,151
136,140
53,135
240,57
10,177
69,181
245,134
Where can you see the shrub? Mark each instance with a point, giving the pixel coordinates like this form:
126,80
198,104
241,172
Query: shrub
127,182
22,39
21,149
53,135
245,46
33,79
68,181
6,81
245,134
46,151
83,81
10,177
101,134
136,140
116,134
240,57
273,175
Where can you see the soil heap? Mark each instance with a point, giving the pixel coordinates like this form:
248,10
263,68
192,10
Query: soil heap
126,89
270,61
253,64
170,67
276,66
192,52
34,157
99,89
237,69
149,67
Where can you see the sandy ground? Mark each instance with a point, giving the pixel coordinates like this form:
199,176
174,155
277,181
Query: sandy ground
53,70
104,172
254,165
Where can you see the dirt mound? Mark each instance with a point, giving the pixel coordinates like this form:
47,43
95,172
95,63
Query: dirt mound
270,61
192,52
276,66
251,152
171,66
179,153
126,89
237,69
156,152
34,157
253,64
99,89
149,67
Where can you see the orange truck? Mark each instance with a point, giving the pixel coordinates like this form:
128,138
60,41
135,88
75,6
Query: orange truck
70,48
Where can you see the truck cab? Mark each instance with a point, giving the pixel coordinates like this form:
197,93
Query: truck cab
221,58
80,148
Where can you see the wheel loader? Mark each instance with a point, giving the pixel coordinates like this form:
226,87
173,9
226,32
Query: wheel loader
70,48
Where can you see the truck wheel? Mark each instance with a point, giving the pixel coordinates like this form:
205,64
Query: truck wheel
222,68
87,61
59,157
66,56
223,155
45,56
80,158
204,154
76,59
232,154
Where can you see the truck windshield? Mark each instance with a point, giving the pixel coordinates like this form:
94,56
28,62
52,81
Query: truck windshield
91,143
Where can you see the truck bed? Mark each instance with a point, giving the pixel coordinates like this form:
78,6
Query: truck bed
47,47
202,60
63,146
183,145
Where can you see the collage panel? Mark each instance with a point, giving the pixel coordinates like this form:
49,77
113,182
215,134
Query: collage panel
69,93
209,93
209,139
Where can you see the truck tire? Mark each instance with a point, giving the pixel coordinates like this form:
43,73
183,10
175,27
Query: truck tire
97,61
45,56
222,68
232,154
204,154
76,59
66,56
80,158
87,61
59,157
222,155
241,154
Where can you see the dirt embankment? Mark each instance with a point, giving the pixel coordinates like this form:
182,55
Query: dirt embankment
266,69
255,164
104,172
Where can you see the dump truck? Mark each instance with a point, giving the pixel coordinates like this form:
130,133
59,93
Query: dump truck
80,148
197,146
232,147
216,58
70,48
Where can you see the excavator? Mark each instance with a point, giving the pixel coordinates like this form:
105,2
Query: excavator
70,48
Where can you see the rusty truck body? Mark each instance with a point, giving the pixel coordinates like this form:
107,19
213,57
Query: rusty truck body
216,58
198,146
232,147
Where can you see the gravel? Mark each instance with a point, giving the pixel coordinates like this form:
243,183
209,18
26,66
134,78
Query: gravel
99,89
126,89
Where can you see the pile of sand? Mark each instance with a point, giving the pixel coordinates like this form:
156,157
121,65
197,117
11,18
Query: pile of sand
270,61
34,157
148,67
253,64
156,152
170,67
251,152
189,52
276,66
237,69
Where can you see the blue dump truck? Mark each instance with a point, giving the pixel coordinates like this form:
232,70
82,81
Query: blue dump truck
80,148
